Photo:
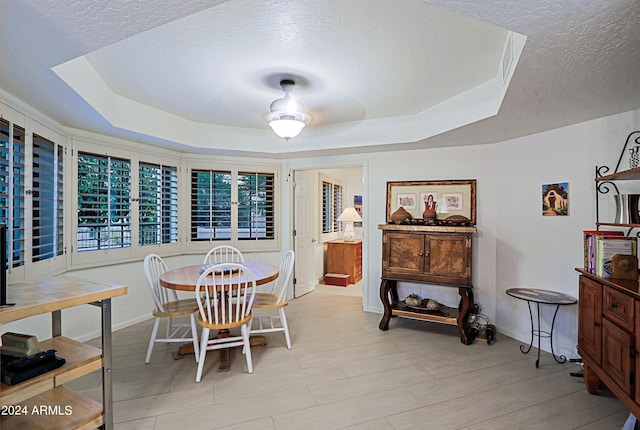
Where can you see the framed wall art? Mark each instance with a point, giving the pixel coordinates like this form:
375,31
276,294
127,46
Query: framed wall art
555,199
452,197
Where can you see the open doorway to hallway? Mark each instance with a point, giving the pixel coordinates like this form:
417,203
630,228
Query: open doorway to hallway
319,196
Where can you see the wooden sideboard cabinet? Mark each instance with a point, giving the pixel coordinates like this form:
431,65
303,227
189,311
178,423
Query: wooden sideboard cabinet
345,258
439,255
75,411
609,335
429,254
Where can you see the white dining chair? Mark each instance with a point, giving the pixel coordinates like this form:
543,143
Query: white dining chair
225,294
168,306
223,254
276,299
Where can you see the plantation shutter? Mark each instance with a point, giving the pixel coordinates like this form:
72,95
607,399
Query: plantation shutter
158,204
104,208
12,190
47,199
255,205
210,205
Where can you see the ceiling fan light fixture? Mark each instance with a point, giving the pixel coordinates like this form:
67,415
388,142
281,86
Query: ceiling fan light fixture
287,117
286,128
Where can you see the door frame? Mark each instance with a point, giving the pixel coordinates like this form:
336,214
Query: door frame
366,218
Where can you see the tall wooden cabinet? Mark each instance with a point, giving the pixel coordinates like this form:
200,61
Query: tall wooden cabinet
609,335
64,409
439,255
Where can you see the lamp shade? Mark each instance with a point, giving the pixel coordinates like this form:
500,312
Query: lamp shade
349,215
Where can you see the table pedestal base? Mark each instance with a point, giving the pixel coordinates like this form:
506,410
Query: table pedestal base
224,364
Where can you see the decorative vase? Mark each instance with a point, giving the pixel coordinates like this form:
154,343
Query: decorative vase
627,208
429,215
413,300
400,215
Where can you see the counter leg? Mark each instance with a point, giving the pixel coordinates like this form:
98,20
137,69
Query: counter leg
107,394
388,295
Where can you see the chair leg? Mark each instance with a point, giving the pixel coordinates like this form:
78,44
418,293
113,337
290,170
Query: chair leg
249,329
203,352
247,347
169,327
154,334
285,326
194,336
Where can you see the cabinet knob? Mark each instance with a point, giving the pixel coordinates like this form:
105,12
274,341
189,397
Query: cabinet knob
421,254
613,305
596,324
426,254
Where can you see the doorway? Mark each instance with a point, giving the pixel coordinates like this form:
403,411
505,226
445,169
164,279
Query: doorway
309,239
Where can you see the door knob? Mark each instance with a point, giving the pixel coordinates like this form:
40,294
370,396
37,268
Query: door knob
313,240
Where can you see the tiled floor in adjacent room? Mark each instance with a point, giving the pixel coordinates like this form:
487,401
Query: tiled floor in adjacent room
344,373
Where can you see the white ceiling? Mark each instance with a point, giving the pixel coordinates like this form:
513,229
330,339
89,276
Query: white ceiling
374,75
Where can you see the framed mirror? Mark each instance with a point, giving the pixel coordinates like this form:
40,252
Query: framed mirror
453,198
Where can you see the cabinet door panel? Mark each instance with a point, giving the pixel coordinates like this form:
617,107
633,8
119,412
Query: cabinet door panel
616,359
447,255
405,253
590,319
637,360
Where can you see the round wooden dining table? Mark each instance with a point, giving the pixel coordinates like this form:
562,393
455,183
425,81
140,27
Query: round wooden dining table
186,278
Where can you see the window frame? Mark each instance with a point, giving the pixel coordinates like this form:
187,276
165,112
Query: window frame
56,264
244,245
337,228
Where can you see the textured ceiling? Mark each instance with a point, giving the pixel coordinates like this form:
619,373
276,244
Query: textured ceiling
391,74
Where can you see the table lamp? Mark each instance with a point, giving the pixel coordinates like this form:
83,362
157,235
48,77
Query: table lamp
349,216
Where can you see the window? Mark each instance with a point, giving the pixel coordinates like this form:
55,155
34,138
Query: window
331,206
12,189
210,205
158,204
255,206
236,206
104,208
47,199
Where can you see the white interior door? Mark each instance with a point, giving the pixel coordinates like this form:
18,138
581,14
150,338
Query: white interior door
305,240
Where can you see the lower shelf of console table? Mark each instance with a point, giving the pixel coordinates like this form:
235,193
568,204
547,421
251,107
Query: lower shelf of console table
447,315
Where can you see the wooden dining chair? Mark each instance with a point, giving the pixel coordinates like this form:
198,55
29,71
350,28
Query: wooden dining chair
223,254
275,300
167,305
225,294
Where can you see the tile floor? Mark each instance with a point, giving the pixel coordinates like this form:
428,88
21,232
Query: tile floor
344,373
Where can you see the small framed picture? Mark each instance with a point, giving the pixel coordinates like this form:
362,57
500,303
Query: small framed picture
452,202
555,199
407,201
357,205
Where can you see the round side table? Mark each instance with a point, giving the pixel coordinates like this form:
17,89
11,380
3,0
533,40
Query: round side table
542,297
